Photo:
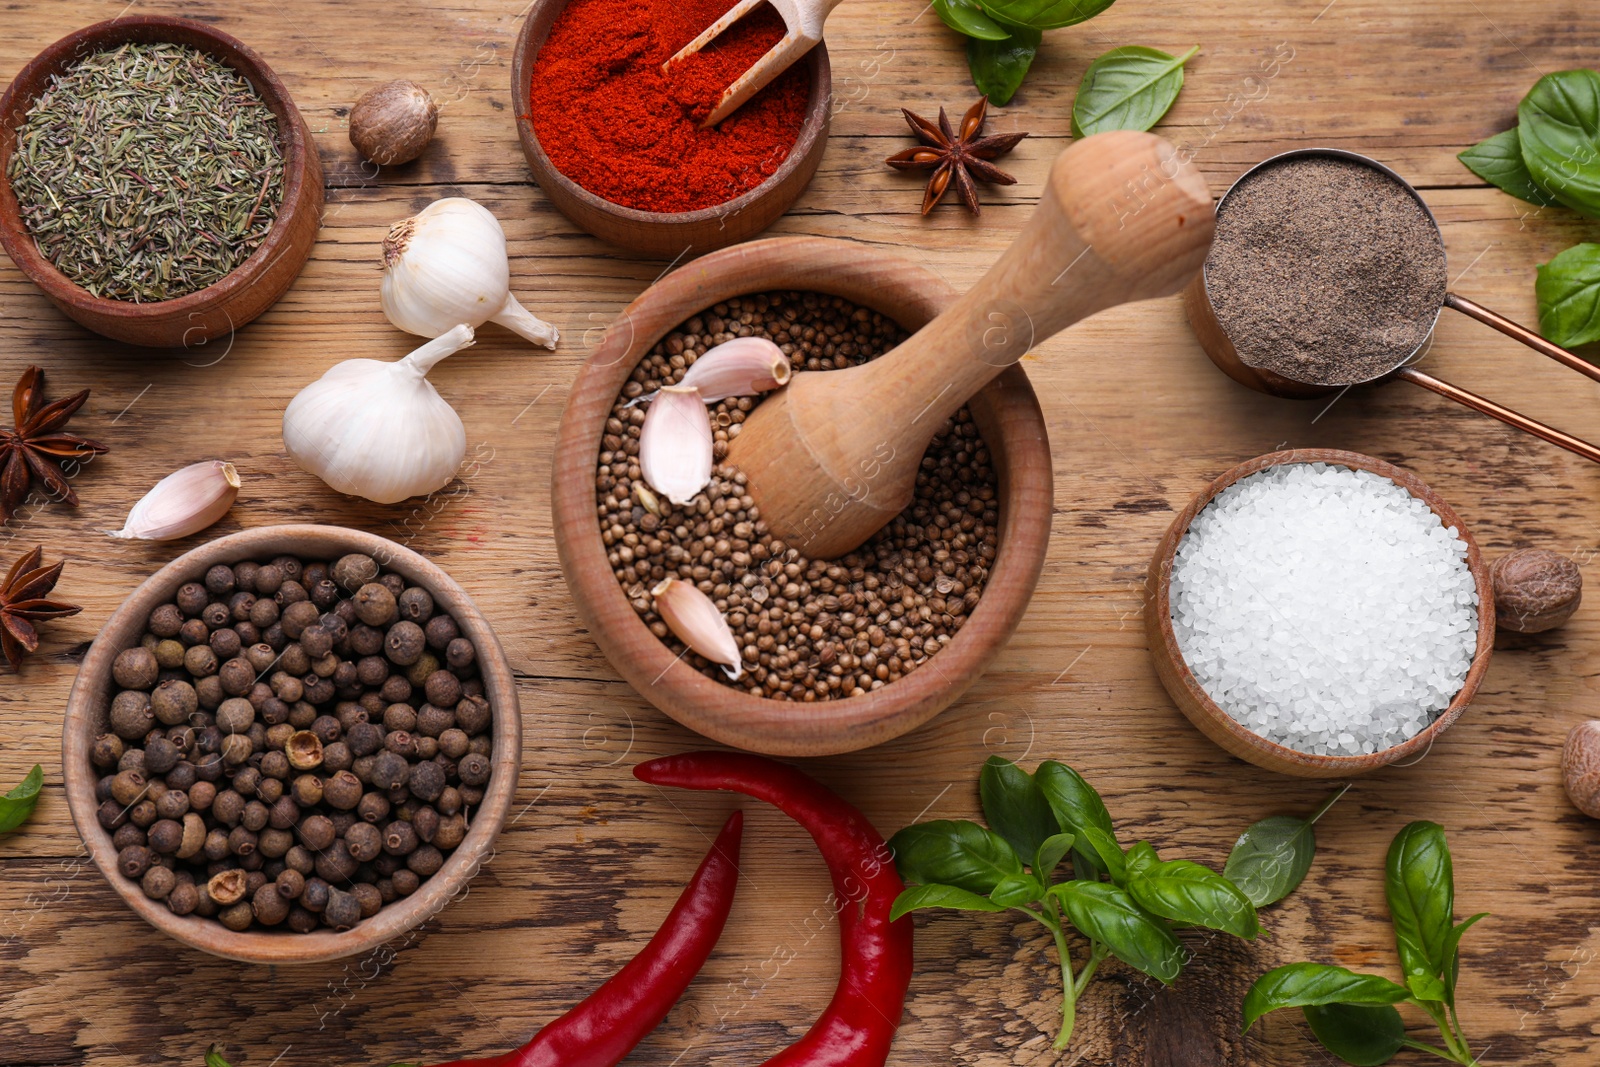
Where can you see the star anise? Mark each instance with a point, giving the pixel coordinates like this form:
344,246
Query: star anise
33,450
23,602
956,156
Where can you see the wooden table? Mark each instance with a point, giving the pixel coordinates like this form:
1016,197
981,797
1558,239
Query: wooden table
1139,421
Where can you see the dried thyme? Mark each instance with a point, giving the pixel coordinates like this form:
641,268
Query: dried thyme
148,171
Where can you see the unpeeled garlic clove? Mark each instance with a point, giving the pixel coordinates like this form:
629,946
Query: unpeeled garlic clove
691,615
184,502
675,444
741,367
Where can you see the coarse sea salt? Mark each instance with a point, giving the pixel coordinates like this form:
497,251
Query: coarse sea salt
1325,608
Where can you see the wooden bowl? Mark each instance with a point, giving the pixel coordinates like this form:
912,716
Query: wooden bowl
670,234
90,700
1006,412
1226,731
253,286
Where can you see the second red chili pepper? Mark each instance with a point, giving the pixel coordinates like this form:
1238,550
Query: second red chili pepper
859,1024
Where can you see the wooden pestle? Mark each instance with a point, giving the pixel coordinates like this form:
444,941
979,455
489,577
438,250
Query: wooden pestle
833,456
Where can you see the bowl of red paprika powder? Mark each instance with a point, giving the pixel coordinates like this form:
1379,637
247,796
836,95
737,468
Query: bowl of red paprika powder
616,143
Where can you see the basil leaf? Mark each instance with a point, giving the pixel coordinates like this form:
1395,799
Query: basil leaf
1271,858
1453,950
998,67
1299,985
965,16
1109,915
1498,161
1192,895
1421,891
214,1057
1052,850
1014,806
947,852
1017,889
17,805
1128,89
1080,811
940,896
1045,14
1365,1035
1569,296
1141,856
1558,126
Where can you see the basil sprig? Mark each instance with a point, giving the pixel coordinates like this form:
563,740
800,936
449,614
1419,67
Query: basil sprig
1569,296
1553,154
1354,1015
18,804
1003,36
1128,904
1271,858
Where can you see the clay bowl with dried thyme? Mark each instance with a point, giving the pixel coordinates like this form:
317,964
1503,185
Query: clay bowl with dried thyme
1005,423
670,233
319,829
250,287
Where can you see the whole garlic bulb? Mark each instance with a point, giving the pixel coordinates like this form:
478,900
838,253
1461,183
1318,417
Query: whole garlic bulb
380,430
447,264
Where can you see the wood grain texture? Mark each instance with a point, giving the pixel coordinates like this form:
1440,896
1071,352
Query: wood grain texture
1139,421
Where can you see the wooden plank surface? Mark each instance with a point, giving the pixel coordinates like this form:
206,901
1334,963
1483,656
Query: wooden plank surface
1139,421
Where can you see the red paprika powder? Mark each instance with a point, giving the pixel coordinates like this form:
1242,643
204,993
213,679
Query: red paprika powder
611,120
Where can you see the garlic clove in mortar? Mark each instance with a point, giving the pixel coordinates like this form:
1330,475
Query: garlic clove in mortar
380,430
741,367
184,502
691,615
675,444
447,264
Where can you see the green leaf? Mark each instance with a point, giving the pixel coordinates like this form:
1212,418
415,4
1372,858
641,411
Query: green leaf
940,896
1128,88
998,67
1498,161
1453,950
1558,126
1365,1035
1299,985
214,1057
966,17
1425,987
1569,296
1016,890
1271,858
1045,14
1014,806
17,805
1080,811
1421,891
1141,856
1052,850
1191,895
1108,914
958,853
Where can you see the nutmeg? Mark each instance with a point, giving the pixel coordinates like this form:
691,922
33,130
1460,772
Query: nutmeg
1580,767
392,122
1535,590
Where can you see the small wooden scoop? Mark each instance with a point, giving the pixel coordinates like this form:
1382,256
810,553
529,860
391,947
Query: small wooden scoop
833,457
803,20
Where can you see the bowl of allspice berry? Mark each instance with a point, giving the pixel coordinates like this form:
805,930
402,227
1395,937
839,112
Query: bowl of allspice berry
292,744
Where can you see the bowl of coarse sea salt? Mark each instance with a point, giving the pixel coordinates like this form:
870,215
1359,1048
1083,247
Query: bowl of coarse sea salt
1320,613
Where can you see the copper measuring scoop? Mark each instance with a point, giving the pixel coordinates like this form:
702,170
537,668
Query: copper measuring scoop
1219,346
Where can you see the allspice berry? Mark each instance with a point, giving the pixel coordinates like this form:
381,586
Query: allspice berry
1580,767
343,910
269,906
392,123
135,668
228,887
1535,590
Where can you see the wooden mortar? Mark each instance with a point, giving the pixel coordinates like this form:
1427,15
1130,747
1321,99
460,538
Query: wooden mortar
1006,412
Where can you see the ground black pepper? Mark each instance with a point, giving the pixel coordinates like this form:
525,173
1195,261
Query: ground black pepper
809,629
1325,270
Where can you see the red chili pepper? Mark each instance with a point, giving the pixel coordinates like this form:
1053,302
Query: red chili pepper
606,1026
859,1023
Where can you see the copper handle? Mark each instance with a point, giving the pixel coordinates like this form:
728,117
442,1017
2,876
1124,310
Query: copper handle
1504,414
1518,332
